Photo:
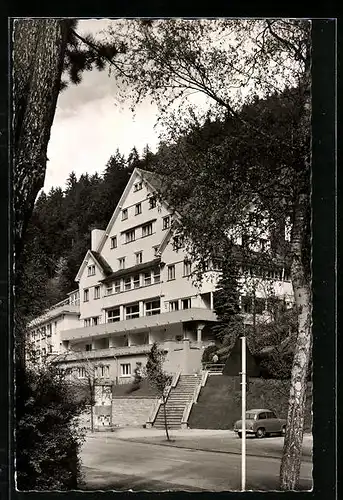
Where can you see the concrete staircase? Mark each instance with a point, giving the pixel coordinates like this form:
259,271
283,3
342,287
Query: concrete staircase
179,397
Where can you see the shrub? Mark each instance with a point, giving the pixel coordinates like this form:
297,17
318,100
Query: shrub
48,436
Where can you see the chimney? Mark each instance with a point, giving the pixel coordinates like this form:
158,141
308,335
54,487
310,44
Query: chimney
96,235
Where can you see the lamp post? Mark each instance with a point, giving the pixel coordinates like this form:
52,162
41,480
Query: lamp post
243,373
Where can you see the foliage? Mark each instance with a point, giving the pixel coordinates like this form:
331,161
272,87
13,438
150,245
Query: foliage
226,303
266,155
158,378
48,437
208,353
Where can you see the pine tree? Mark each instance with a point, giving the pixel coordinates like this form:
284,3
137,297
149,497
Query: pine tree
226,305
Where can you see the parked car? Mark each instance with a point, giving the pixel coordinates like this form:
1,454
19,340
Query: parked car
261,423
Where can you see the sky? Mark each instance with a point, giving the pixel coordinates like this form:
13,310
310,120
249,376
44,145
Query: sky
90,124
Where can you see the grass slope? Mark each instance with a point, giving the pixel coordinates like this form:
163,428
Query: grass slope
125,391
219,403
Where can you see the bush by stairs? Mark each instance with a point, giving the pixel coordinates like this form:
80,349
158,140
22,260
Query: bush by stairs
178,398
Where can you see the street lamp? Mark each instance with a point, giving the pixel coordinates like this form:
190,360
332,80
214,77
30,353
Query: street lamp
243,373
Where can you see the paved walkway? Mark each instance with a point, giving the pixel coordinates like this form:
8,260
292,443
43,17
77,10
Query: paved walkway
219,441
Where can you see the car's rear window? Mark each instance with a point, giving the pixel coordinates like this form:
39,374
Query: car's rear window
250,416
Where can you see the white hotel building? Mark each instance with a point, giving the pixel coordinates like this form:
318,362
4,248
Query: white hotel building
135,288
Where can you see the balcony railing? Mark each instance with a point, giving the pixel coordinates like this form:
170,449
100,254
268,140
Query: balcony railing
114,352
141,323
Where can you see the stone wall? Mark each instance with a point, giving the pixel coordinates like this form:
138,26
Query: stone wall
131,411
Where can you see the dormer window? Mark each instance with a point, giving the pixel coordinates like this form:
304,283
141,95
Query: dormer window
152,202
138,186
177,243
113,242
91,270
165,222
124,214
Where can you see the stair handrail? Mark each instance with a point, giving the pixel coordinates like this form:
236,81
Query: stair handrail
154,411
189,405
204,377
159,402
175,379
172,384
198,388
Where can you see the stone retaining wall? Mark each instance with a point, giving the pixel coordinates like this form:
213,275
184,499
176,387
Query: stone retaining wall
130,411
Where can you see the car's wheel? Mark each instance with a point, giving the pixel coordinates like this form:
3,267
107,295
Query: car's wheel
239,434
283,430
260,433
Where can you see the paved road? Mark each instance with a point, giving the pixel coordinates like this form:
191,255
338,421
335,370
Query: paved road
112,463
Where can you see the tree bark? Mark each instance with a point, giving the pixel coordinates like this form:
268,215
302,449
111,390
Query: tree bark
165,417
292,451
38,53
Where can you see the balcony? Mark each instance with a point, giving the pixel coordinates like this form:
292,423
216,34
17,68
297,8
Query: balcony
140,324
63,307
116,352
110,352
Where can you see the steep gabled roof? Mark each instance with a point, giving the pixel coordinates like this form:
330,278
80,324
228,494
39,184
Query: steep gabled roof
154,182
106,268
100,261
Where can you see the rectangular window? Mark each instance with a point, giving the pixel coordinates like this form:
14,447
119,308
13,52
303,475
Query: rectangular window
113,242
138,209
165,222
48,330
117,287
121,263
50,348
156,251
187,267
136,281
147,230
43,351
88,347
113,315
124,214
91,270
152,202
95,320
97,292
171,272
132,311
186,303
139,257
125,370
43,332
86,295
174,305
157,275
109,290
147,279
152,308
138,186
127,283
87,322
130,236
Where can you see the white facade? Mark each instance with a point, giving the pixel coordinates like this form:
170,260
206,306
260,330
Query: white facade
135,288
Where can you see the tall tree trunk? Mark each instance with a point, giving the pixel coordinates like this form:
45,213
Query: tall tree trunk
38,53
292,452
